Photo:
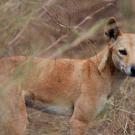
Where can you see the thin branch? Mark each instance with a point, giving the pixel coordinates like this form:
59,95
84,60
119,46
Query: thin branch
93,14
122,110
125,127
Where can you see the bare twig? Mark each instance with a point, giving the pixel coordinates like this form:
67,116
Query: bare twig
122,110
18,36
93,14
125,127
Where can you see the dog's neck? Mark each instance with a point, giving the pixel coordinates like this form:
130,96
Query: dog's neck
109,71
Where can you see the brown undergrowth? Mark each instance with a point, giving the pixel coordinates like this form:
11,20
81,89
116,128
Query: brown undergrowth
62,28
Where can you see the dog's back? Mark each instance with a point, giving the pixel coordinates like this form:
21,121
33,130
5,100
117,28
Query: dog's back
55,82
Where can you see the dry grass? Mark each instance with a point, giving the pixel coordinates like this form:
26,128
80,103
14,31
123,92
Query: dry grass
58,28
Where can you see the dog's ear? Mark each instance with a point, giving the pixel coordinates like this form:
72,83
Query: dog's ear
112,30
105,58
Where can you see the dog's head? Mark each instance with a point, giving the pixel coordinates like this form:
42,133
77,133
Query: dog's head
122,48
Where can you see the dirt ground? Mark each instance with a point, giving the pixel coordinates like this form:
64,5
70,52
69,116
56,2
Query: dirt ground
46,124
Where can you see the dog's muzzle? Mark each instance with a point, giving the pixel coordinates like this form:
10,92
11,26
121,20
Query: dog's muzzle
130,70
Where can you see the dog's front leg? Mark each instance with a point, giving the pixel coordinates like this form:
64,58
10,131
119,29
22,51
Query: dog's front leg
83,113
78,127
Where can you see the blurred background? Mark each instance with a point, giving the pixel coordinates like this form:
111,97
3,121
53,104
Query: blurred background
69,29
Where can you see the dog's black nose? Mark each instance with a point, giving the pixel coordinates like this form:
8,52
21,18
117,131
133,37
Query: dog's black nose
133,71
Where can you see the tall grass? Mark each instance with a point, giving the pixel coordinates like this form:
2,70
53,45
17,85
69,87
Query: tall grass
118,117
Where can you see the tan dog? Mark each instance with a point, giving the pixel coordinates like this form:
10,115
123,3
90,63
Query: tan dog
76,87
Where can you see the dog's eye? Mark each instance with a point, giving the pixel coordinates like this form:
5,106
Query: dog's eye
123,52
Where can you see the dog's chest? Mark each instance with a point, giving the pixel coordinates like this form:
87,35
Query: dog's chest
110,90
117,81
101,104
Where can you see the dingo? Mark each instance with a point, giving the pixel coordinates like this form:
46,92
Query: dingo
77,87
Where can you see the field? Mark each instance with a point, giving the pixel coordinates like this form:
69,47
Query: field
68,29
